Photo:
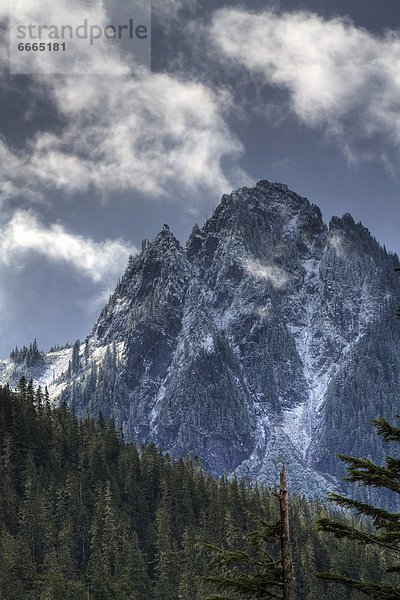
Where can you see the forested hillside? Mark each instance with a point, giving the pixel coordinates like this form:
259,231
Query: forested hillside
269,336
85,515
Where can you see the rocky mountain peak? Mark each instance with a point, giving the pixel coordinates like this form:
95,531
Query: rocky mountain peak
154,276
165,246
263,340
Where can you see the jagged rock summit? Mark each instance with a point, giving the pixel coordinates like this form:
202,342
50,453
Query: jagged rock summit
270,337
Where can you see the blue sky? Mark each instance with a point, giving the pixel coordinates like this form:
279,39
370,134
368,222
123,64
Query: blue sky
307,93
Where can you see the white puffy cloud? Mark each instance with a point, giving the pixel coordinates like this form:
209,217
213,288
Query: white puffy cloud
24,234
157,134
15,180
150,134
274,275
338,77
144,134
153,135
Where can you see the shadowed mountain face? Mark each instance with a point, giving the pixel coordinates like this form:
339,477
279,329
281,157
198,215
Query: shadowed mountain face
270,337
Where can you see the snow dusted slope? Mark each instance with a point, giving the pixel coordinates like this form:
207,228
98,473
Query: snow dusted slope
270,337
49,373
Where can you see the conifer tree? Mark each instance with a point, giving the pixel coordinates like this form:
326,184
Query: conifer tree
385,531
75,362
166,569
56,585
8,497
31,514
188,582
105,548
256,573
134,582
251,574
11,585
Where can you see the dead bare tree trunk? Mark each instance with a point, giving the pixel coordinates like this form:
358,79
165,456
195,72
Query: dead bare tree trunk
286,552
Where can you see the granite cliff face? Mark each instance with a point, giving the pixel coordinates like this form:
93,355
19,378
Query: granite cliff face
269,337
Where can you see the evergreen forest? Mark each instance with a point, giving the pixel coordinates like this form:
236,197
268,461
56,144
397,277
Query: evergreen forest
86,515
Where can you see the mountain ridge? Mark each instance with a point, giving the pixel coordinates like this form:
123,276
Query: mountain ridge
231,346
